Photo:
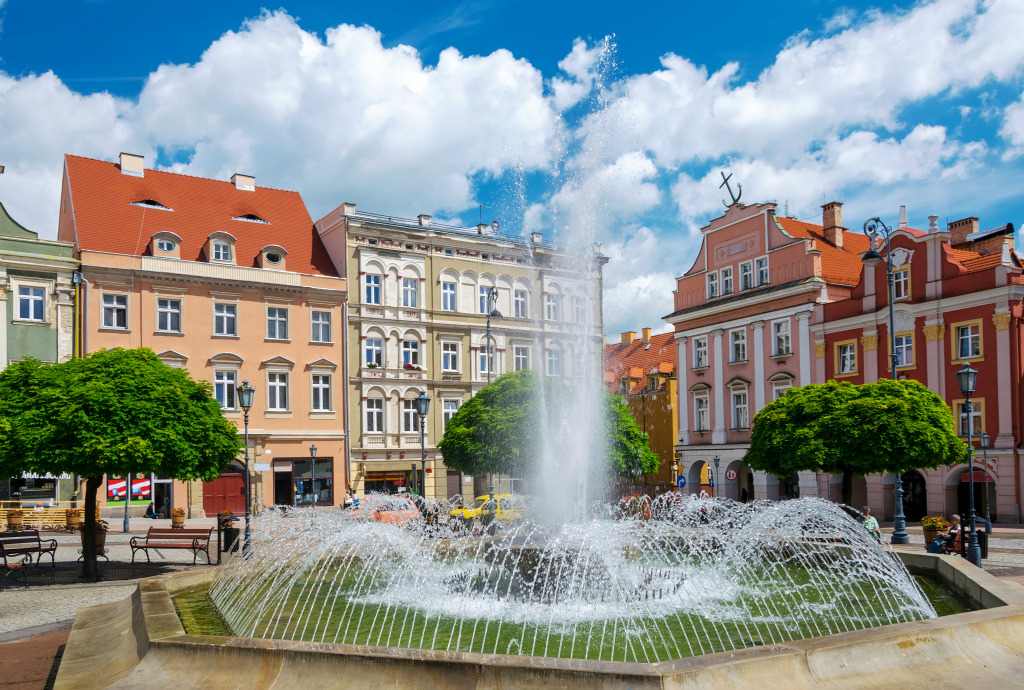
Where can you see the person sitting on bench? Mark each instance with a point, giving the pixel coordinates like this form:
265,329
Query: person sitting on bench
946,541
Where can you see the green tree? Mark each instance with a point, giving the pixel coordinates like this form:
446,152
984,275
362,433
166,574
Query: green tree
113,412
854,430
499,430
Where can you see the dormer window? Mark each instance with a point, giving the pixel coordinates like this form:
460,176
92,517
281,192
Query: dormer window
220,247
166,244
272,256
251,218
221,251
151,203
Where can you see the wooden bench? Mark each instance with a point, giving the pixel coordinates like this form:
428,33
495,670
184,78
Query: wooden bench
196,539
21,546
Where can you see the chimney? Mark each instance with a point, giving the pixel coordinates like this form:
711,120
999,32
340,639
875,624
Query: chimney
535,237
960,229
832,222
647,335
628,337
131,164
348,208
933,224
423,218
483,229
903,222
244,182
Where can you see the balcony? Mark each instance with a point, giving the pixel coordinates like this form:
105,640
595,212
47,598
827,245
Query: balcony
393,374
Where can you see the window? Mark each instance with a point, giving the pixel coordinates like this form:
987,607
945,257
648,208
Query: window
224,387
701,411
375,414
224,319
371,282
314,481
486,359
551,307
165,245
726,281
847,357
321,392
740,419
115,311
410,353
221,251
746,275
554,363
761,267
901,283
321,321
700,352
519,304
738,345
448,296
277,323
277,391
904,350
31,302
521,357
484,291
374,352
780,387
780,338
968,341
410,292
712,285
409,415
448,410
450,356
976,421
168,315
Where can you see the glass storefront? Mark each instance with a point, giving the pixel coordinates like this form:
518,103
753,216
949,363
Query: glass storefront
314,479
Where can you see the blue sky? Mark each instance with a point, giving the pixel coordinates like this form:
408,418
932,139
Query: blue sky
607,121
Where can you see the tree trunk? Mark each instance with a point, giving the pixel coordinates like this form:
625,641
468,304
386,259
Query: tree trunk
89,571
847,485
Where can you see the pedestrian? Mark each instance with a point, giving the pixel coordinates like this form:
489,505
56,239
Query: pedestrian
870,523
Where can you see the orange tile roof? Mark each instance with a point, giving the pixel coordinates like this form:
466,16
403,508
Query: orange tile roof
841,266
106,220
974,262
636,359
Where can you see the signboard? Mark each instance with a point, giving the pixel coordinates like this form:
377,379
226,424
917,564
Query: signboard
730,475
711,480
680,481
142,488
980,476
261,467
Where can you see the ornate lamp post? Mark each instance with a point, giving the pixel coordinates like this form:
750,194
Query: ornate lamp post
966,378
873,227
715,487
312,473
492,297
245,396
988,513
422,408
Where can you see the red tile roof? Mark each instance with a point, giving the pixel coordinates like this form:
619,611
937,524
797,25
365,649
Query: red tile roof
106,220
841,266
636,359
974,262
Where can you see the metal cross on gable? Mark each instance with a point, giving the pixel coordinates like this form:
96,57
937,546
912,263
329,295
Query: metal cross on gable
735,197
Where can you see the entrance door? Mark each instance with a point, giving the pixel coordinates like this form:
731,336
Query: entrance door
915,496
284,494
453,484
162,498
226,492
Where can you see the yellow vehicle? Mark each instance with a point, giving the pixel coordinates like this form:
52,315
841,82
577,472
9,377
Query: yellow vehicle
509,507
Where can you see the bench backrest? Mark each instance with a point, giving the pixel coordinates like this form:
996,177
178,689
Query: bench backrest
28,536
170,534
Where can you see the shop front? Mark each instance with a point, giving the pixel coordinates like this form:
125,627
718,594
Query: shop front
389,482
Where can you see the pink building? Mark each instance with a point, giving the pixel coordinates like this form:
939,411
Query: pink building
230,281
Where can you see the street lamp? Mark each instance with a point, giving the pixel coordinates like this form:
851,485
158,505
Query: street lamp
492,297
715,487
312,472
966,378
873,227
422,407
245,395
988,513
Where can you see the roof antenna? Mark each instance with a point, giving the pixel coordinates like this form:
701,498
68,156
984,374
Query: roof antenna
785,209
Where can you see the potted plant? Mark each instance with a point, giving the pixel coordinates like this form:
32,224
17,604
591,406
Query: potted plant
932,526
371,365
410,367
100,534
230,532
15,518
177,517
73,518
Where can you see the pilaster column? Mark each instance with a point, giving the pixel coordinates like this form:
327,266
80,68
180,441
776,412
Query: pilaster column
934,338
869,345
758,327
803,321
65,298
1004,439
684,391
819,360
718,430
3,320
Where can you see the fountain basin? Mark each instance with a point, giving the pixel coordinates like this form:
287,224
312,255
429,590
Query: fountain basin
140,641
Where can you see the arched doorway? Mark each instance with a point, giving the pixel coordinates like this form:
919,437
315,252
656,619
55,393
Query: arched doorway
982,493
226,492
915,495
789,487
697,478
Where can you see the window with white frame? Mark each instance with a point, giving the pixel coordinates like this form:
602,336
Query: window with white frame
551,307
410,292
168,315
225,319
277,391
321,387
410,353
519,304
780,386
224,386
554,363
700,352
904,350
761,267
448,291
521,357
448,410
486,359
740,417
746,275
848,358
968,340
713,284
726,281
374,352
738,345
277,323
781,343
371,288
115,311
701,412
409,415
976,421
579,310
31,303
484,291
901,283
374,414
321,326
450,357
221,251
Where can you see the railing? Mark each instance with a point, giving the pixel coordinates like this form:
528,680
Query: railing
38,514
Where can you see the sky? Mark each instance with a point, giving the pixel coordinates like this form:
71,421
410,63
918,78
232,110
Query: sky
607,122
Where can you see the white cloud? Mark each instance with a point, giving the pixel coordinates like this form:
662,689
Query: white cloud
1012,129
582,64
